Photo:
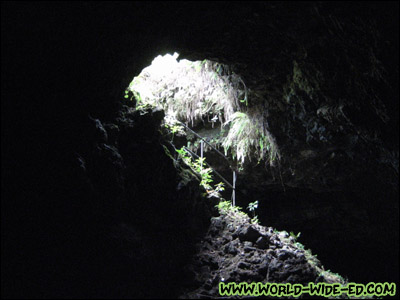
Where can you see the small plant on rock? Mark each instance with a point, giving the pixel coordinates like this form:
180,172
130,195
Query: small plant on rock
295,236
252,208
225,208
197,166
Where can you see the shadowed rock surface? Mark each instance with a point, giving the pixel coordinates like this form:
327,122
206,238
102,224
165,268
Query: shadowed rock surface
228,254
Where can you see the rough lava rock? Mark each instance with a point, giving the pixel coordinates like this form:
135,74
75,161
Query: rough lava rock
241,262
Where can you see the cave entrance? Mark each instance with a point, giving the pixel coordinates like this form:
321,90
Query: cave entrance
210,99
199,92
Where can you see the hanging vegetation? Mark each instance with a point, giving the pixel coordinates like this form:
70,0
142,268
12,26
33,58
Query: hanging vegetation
200,91
187,91
247,137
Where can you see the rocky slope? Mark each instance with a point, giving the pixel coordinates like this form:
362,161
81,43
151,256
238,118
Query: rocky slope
144,222
235,250
149,218
169,236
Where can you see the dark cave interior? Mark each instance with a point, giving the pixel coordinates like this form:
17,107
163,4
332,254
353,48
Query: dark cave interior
90,205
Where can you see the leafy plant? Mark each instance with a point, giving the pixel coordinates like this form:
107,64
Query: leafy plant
173,127
184,155
126,94
225,207
237,138
194,91
247,138
295,236
206,179
252,208
255,220
198,167
219,187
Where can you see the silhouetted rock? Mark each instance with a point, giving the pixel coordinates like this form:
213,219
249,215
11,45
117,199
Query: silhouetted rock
249,233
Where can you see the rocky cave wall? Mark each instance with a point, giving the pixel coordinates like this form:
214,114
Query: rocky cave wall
326,75
330,96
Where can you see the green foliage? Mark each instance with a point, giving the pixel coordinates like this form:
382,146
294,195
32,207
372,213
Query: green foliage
206,178
136,95
199,163
181,152
216,191
129,95
247,138
226,208
198,166
237,138
295,236
194,91
174,127
255,220
188,91
219,187
253,206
